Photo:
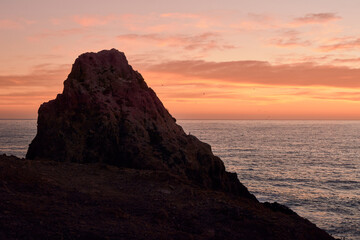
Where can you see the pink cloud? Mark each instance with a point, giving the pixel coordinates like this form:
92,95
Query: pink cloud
260,22
316,18
90,21
9,24
204,41
347,60
293,59
14,24
55,33
21,95
258,72
198,21
42,75
254,22
347,96
342,44
176,15
167,22
289,38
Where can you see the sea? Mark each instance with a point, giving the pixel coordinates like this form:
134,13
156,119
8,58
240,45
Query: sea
311,166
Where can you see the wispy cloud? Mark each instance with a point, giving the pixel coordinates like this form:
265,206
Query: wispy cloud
91,21
344,96
14,24
289,38
342,44
21,95
294,59
203,42
177,15
316,18
55,33
9,24
256,22
192,20
44,75
347,60
259,72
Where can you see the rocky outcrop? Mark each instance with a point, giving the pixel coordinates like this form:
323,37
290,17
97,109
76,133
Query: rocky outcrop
61,200
108,114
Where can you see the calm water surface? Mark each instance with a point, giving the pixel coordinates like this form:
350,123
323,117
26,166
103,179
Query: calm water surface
311,166
16,135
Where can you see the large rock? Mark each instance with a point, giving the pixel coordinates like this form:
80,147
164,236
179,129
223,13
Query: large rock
108,114
97,201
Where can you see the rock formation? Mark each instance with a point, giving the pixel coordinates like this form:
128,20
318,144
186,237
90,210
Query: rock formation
57,200
108,114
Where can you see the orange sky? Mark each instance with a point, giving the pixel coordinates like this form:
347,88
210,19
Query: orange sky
205,59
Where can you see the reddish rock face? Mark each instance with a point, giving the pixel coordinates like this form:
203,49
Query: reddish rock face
108,114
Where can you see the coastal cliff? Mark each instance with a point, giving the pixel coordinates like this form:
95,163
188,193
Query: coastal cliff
108,114
110,162
62,200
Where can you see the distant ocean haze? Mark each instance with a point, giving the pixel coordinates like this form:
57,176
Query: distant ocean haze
311,166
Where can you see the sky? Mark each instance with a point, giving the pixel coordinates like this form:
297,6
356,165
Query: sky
228,59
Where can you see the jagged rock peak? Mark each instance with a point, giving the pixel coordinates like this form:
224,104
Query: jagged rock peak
104,62
108,114
100,71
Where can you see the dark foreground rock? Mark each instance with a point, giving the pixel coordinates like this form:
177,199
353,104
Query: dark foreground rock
140,177
62,200
108,114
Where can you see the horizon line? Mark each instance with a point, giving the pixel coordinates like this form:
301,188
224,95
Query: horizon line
234,119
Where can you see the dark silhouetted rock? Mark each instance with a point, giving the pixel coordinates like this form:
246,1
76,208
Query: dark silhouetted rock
108,114
42,199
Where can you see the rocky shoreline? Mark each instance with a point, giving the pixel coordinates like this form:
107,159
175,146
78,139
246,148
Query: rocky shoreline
109,162
107,113
42,199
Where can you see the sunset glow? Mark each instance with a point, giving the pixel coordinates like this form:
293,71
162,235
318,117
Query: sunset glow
204,59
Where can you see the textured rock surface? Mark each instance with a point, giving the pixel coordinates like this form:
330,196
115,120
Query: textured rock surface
108,114
61,200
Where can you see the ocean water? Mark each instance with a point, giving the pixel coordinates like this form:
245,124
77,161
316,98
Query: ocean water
16,135
313,167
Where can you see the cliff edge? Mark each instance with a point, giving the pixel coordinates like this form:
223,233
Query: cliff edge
160,187
108,114
64,200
